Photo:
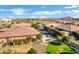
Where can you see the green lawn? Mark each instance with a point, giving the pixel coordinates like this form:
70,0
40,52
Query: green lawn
56,49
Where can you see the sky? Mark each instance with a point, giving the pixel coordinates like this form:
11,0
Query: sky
39,11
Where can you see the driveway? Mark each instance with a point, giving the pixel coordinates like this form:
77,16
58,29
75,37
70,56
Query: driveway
46,36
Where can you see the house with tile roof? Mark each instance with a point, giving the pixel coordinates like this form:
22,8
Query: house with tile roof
6,19
69,28
17,33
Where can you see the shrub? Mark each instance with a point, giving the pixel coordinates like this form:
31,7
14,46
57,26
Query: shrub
7,52
76,35
15,41
66,39
58,39
25,41
32,51
36,26
55,43
53,32
39,36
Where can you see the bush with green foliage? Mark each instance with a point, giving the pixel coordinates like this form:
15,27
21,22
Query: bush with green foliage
32,51
39,36
76,35
66,39
7,24
36,26
8,52
55,43
58,39
53,32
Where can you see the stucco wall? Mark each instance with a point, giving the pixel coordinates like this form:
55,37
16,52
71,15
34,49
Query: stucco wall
5,39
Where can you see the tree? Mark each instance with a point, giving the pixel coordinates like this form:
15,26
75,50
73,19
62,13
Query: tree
7,24
36,26
58,39
28,20
39,36
66,39
32,51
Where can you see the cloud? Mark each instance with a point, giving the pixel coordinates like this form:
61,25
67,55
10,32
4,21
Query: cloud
72,11
3,10
67,11
73,6
37,17
75,11
46,12
42,16
33,17
41,12
76,16
56,12
18,11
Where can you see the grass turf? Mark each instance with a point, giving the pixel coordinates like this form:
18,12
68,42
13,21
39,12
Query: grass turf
56,49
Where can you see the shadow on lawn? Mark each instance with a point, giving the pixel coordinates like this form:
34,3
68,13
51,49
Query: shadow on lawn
55,43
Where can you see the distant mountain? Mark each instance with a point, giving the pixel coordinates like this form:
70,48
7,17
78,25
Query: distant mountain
67,18
70,18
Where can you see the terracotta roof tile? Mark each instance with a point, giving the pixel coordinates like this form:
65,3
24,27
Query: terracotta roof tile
69,27
19,31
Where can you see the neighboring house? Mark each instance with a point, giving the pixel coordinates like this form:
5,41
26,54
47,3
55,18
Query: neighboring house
68,29
17,33
51,24
6,19
76,23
